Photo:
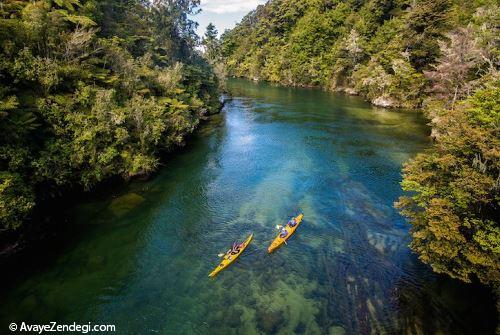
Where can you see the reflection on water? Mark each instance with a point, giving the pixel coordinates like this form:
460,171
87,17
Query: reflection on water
142,253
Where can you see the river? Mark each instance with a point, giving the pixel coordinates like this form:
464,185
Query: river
139,254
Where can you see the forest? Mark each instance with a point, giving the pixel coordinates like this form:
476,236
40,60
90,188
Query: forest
91,90
439,56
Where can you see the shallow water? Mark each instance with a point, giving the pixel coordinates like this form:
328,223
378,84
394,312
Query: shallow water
139,255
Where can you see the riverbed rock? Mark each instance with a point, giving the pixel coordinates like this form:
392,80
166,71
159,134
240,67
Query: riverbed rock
233,317
125,203
270,321
336,330
384,101
350,90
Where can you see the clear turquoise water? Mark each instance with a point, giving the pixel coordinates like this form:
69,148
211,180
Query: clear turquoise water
139,255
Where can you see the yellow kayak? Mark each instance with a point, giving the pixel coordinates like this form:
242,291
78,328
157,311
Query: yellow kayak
229,258
278,241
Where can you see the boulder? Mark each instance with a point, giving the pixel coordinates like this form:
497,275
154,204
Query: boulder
350,91
384,101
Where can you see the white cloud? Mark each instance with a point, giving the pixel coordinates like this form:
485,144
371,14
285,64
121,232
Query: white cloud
230,6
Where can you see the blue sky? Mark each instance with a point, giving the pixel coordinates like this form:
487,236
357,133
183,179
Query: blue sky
224,14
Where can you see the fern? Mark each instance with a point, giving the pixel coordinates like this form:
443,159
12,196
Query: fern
83,21
68,4
8,104
25,120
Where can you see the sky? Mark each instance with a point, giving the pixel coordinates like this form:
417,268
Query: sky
224,14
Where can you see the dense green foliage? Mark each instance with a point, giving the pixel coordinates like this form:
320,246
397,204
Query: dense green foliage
93,89
455,185
377,48
438,54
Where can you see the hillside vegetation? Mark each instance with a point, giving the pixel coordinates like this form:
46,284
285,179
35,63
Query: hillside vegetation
441,55
387,51
90,90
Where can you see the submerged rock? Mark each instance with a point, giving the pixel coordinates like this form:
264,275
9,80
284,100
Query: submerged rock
125,203
336,330
270,321
233,317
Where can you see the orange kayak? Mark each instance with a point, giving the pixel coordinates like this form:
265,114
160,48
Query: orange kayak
228,258
278,241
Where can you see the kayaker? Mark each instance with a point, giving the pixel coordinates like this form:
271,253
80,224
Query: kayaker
292,222
283,232
235,248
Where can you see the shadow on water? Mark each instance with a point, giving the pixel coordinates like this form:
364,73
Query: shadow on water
140,256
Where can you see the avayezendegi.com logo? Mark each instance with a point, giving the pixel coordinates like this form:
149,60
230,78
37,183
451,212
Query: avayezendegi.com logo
55,327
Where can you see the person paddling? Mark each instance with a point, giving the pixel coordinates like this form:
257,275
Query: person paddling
235,248
283,232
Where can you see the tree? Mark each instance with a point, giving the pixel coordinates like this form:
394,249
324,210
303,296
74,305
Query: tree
213,54
427,22
454,188
211,43
174,30
451,76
